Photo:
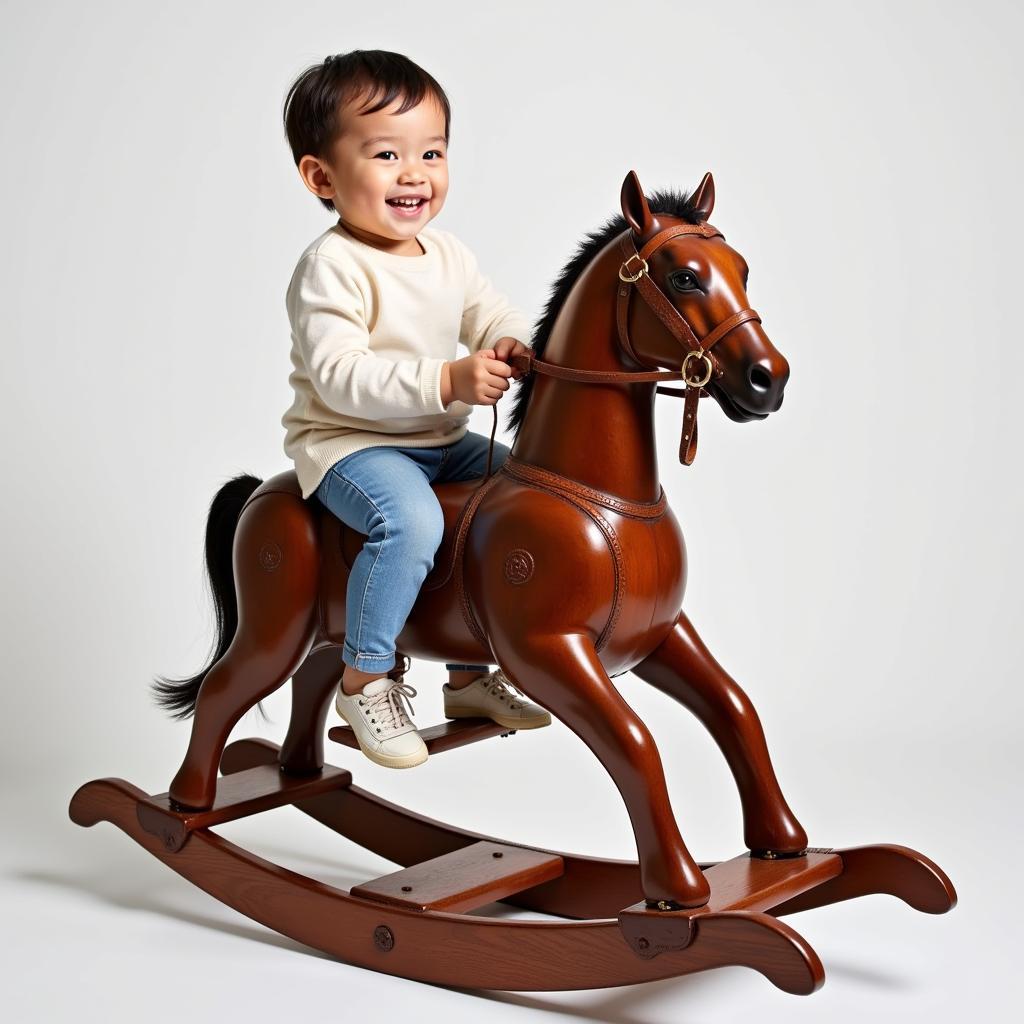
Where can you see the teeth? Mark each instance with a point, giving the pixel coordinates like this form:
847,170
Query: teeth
406,202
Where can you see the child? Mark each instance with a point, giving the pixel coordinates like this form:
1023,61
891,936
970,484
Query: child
376,304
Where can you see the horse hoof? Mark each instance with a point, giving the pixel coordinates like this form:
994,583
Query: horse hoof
762,854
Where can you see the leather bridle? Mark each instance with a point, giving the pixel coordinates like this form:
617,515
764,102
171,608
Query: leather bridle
633,271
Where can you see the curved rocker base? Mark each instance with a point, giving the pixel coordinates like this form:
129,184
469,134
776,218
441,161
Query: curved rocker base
394,924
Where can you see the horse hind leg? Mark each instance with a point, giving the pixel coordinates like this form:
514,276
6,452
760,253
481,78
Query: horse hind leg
684,668
313,688
276,569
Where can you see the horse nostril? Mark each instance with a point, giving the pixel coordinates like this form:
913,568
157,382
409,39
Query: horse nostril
760,379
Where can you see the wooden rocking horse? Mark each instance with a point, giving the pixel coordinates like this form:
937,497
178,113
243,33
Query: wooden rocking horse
566,567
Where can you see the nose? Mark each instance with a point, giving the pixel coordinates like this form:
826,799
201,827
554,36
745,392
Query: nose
767,380
759,378
414,170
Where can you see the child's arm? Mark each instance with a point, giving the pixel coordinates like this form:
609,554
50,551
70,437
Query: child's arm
327,314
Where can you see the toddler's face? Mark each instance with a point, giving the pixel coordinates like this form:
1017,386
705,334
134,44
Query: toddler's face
380,157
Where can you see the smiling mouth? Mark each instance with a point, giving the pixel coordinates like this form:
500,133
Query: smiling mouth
409,207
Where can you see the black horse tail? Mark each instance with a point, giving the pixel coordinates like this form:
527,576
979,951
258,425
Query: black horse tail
179,696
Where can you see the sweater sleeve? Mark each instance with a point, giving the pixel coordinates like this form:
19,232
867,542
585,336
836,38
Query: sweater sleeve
327,315
487,314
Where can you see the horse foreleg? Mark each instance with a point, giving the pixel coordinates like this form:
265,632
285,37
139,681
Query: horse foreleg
564,674
684,668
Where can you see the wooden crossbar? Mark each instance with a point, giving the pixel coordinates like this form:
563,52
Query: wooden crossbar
238,796
464,879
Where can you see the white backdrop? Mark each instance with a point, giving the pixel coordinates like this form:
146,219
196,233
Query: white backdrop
854,560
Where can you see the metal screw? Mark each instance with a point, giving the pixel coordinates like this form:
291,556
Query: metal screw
497,855
383,938
406,888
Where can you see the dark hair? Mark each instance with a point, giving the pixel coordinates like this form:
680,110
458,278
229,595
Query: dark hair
316,97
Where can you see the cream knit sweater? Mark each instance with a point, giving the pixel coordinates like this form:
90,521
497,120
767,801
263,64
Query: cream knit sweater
370,333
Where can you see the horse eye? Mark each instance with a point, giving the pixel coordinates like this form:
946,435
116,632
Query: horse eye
685,281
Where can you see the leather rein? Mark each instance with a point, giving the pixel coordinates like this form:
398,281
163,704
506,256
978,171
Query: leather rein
633,271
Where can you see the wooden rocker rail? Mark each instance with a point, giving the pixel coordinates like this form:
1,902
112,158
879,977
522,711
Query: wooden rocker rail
392,924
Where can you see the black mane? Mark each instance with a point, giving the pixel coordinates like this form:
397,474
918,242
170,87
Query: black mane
669,203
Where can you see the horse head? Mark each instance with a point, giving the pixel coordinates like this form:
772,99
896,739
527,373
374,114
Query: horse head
704,279
658,286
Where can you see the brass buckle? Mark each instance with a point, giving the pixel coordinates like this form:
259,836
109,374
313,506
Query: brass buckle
635,256
699,354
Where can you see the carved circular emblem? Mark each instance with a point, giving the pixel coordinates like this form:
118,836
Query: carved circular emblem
270,556
518,566
383,938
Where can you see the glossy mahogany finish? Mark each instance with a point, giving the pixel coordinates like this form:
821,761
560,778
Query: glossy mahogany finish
567,566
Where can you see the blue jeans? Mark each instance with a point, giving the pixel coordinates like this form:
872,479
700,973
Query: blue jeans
384,492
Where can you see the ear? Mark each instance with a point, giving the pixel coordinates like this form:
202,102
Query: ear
634,206
315,177
704,197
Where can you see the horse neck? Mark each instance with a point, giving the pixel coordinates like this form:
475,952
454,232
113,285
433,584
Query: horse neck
601,435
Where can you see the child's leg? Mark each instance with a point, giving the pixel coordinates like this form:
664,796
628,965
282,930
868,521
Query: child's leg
385,494
467,460
353,680
462,675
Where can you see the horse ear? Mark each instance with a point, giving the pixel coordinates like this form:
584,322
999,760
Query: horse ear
704,197
634,205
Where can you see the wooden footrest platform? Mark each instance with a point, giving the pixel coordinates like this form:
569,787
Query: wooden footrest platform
464,879
757,884
238,796
745,883
446,736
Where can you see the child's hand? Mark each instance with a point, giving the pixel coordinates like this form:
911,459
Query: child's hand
506,348
477,379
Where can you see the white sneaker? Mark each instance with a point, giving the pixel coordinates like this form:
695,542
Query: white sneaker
383,730
494,696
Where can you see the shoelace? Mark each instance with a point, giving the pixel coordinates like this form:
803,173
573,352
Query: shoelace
388,706
501,684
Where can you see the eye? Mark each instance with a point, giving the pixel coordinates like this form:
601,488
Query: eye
385,152
685,281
